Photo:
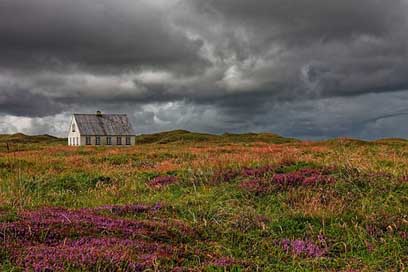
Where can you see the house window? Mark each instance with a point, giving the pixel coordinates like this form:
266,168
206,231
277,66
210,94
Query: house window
119,140
98,140
127,140
108,140
77,140
73,127
88,140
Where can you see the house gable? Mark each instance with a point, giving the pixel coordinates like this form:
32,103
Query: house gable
74,135
73,128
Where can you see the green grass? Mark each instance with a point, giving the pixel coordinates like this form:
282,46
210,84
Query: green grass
363,215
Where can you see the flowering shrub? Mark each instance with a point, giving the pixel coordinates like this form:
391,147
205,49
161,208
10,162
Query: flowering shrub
225,175
290,179
257,172
302,248
403,234
374,231
301,177
256,186
54,224
404,178
53,238
305,176
57,239
224,262
162,181
88,253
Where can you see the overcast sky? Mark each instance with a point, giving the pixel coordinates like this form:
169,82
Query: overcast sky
301,68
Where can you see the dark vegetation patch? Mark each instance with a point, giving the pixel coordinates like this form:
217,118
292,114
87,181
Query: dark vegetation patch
7,215
229,174
131,209
295,166
162,181
248,221
11,164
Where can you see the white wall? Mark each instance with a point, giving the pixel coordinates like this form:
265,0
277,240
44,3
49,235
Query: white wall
74,137
104,140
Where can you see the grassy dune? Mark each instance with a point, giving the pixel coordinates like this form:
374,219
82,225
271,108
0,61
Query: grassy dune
19,142
181,200
183,136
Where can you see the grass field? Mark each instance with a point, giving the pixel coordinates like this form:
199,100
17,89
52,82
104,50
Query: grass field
181,201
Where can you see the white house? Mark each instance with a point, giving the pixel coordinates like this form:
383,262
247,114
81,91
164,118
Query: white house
100,129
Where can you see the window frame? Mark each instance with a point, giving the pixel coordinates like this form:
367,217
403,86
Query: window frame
108,140
88,140
119,140
73,127
97,140
128,140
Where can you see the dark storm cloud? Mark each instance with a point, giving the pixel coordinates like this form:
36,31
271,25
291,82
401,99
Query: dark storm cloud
95,35
213,65
313,48
22,102
307,21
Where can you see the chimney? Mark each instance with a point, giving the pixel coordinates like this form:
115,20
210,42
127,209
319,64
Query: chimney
98,113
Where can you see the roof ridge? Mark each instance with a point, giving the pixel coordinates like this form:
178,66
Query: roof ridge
107,124
101,114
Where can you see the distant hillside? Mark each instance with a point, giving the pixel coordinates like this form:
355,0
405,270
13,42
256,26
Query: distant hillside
184,136
257,137
20,138
346,141
359,142
392,140
174,136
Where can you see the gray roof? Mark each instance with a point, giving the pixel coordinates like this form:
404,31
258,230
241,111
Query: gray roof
104,124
